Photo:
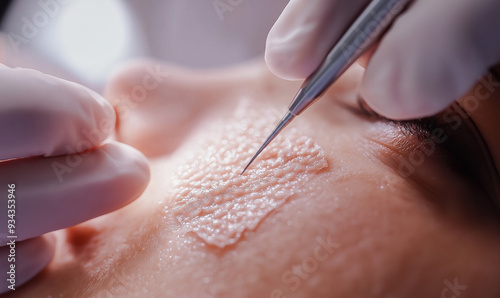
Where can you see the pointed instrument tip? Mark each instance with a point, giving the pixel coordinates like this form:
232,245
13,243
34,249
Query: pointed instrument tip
283,123
242,172
254,157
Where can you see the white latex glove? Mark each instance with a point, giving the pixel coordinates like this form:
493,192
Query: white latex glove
432,55
53,149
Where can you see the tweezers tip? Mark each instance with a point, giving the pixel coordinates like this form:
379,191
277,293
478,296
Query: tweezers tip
242,172
284,122
251,160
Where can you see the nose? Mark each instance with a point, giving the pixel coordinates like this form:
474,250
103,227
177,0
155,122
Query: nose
157,105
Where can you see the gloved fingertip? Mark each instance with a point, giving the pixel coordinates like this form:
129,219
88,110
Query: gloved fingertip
374,90
131,177
286,64
24,260
143,171
108,111
400,91
104,180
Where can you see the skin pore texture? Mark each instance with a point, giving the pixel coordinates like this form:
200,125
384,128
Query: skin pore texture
323,212
214,201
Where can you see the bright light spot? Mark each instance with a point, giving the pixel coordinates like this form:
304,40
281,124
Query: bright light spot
92,36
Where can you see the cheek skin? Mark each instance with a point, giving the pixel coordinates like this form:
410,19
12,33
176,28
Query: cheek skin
218,204
351,228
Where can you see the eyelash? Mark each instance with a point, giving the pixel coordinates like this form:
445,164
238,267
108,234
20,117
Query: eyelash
367,111
421,128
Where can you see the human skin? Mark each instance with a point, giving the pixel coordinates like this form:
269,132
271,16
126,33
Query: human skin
357,227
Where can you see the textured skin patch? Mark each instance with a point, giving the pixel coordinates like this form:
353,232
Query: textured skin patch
214,201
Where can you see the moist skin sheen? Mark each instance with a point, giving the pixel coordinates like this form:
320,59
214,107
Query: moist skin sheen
218,204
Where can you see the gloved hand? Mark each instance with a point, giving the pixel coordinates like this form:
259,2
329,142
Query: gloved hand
434,52
56,170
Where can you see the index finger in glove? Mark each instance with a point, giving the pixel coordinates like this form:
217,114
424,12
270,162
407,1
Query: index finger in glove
52,193
433,54
304,34
41,115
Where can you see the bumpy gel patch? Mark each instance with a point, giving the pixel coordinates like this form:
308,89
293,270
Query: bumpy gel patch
218,204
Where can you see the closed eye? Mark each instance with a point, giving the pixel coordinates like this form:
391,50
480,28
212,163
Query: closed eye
422,128
460,146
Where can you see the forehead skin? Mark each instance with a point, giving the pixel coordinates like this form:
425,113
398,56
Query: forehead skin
353,228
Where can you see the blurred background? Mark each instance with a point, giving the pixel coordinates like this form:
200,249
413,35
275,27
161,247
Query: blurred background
84,40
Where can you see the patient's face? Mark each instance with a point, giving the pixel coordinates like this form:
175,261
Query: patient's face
339,205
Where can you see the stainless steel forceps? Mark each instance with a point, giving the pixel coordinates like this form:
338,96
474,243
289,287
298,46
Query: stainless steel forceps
362,34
